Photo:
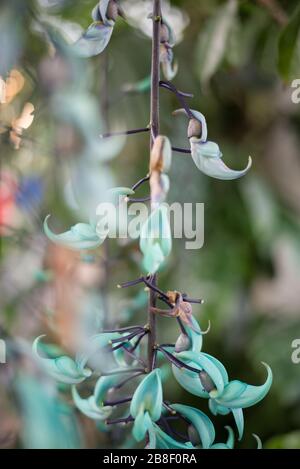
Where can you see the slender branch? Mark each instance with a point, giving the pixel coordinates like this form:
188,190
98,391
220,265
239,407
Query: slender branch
180,96
140,182
121,420
125,132
125,381
123,329
120,401
120,372
182,150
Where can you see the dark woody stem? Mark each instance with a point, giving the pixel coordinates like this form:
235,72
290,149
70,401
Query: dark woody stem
154,122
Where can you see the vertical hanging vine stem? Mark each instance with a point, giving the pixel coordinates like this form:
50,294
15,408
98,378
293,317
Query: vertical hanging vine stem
154,122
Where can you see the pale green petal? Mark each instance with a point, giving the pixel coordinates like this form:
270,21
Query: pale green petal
217,409
139,427
164,441
219,365
80,236
208,159
230,440
206,363
200,421
89,408
250,396
64,368
103,385
259,442
148,396
239,420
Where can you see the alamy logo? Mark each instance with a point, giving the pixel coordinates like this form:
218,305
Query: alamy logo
2,351
296,93
186,221
295,357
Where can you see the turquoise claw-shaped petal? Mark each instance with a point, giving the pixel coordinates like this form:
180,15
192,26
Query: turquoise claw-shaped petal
194,336
147,399
165,441
81,236
89,406
238,416
241,395
202,424
155,239
229,443
103,385
258,440
208,159
190,380
64,368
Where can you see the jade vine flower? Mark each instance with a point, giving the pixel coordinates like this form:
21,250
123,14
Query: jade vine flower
64,369
155,239
146,404
207,155
95,39
93,406
212,383
86,235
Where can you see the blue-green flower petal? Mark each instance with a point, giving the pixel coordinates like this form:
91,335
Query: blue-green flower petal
80,236
220,366
259,442
64,368
249,396
148,395
239,420
89,407
194,336
229,443
208,159
190,380
200,422
217,409
103,385
164,441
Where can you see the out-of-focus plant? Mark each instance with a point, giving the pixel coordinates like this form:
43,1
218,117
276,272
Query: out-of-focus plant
118,354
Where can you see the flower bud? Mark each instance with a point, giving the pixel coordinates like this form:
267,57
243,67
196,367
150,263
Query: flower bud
161,155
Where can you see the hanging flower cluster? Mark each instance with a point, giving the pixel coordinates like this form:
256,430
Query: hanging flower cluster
150,413
118,354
